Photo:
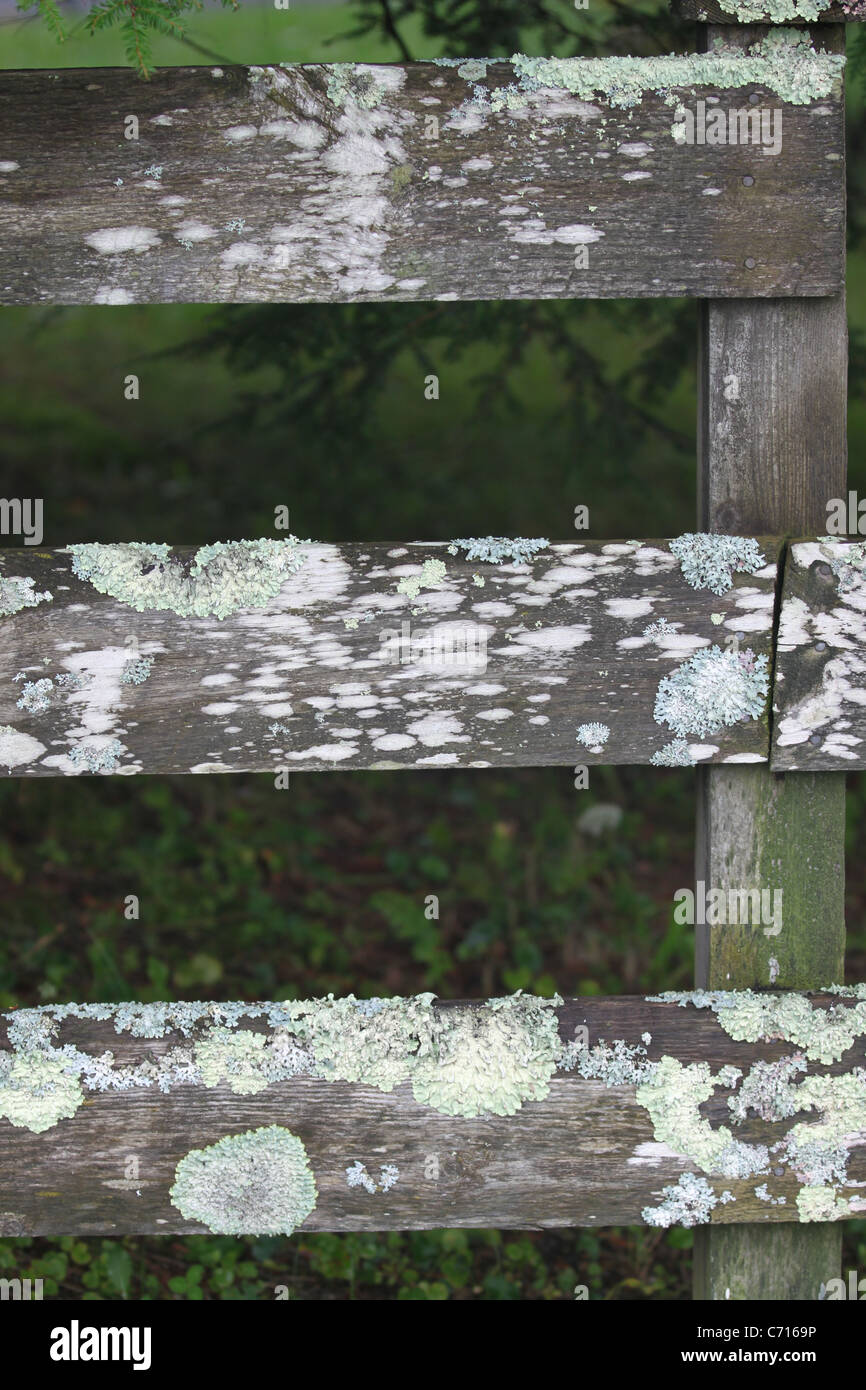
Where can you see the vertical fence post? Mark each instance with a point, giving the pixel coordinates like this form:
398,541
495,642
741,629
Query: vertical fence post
771,452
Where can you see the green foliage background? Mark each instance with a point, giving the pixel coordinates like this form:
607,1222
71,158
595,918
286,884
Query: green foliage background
247,892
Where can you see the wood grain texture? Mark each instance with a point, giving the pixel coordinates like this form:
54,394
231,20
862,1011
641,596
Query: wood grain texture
501,674
584,1156
714,12
772,383
819,698
772,449
269,191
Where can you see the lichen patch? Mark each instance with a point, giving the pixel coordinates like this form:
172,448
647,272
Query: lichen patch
256,1183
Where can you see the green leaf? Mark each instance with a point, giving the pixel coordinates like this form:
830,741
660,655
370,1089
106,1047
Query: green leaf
118,1268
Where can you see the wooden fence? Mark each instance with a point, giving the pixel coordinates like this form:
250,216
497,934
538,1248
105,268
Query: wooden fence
738,650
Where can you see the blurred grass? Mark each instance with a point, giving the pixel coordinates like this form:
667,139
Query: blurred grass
252,34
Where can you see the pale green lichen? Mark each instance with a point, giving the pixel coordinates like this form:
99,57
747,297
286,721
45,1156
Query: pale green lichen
37,1090
17,592
821,1034
816,1151
222,578
233,1058
474,69
672,1095
348,84
784,62
709,561
781,11
256,1183
711,690
821,1204
368,1040
488,1061
491,1059
432,572
466,1060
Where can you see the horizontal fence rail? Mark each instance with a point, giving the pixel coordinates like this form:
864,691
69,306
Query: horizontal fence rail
474,180
411,1114
384,656
820,694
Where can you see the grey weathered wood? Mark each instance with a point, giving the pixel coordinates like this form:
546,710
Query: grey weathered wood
545,648
819,699
766,1264
772,384
772,450
283,194
714,12
584,1156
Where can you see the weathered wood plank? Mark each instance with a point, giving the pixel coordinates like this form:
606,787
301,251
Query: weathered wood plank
819,694
595,1150
356,183
772,383
489,664
776,12
772,448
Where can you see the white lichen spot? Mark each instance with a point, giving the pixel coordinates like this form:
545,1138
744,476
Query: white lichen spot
115,241
17,748
236,134
108,294
593,736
